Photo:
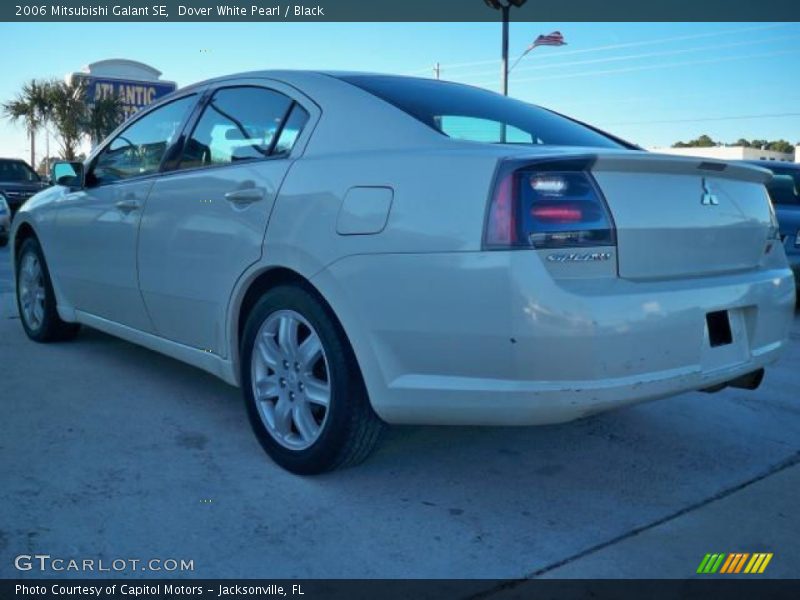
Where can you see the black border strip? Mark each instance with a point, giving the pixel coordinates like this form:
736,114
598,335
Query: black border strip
401,11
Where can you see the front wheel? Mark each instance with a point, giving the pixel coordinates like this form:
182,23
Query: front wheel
36,300
304,392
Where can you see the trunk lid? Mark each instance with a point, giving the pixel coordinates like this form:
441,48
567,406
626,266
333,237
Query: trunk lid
684,217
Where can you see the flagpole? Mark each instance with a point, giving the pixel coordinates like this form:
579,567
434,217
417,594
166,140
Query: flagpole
505,10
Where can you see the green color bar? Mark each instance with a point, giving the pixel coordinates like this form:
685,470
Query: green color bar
717,564
710,563
703,563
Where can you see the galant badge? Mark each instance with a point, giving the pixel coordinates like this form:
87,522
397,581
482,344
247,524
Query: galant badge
708,198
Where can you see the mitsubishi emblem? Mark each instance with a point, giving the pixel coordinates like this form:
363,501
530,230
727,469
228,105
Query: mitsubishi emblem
708,198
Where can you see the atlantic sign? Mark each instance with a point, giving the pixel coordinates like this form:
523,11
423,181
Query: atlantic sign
134,95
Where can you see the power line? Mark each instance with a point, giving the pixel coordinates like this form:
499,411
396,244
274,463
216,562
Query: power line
642,55
708,119
657,67
717,93
622,45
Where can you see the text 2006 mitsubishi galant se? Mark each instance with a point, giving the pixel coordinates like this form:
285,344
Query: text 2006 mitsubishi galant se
356,249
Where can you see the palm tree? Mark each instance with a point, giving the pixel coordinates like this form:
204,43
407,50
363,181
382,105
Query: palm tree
67,111
103,116
29,108
73,114
66,106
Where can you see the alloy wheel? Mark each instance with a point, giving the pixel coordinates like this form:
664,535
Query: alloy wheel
31,290
291,379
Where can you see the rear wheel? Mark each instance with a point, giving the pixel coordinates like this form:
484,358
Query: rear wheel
305,395
36,300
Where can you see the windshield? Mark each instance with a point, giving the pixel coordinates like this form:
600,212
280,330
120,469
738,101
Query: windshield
18,171
470,113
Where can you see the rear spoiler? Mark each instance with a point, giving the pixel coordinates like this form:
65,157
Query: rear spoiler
668,163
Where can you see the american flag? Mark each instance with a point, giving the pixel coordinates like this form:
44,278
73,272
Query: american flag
551,39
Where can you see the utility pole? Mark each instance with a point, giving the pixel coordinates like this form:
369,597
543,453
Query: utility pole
436,71
47,151
32,132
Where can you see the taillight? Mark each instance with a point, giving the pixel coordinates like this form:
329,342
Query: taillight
534,207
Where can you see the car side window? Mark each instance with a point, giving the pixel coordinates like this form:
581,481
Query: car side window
139,149
238,124
482,130
291,130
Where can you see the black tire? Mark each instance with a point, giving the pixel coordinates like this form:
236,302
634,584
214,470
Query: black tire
351,430
51,328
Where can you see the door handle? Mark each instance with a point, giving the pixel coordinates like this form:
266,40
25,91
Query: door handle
245,196
128,205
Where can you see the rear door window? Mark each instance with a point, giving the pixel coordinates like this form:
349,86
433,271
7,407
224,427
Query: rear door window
291,131
240,124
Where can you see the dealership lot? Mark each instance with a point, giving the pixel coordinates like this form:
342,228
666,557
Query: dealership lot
108,450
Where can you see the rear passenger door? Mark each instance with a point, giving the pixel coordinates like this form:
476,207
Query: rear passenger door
205,219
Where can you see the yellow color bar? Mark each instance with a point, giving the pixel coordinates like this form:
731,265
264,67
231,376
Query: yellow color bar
752,565
765,563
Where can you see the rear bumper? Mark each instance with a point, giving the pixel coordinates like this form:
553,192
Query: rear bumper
493,339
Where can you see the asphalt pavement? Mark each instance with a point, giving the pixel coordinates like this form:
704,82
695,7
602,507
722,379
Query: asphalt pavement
108,450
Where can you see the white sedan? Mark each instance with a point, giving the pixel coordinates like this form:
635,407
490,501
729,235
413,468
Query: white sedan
355,249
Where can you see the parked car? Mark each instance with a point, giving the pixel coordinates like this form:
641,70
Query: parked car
5,221
356,249
18,182
784,190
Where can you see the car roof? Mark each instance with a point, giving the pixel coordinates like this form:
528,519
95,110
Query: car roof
288,75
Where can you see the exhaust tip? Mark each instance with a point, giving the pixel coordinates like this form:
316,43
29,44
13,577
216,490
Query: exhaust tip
714,388
750,381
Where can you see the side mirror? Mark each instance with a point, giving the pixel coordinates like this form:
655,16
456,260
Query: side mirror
69,174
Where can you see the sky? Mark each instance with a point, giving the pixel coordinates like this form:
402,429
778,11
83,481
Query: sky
651,83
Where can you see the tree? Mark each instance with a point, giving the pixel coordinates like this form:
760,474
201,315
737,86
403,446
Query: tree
67,112
703,141
781,146
44,165
29,107
74,115
103,116
66,107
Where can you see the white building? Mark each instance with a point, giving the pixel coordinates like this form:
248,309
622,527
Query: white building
733,153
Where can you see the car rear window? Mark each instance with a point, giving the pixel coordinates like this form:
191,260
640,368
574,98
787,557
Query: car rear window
470,113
